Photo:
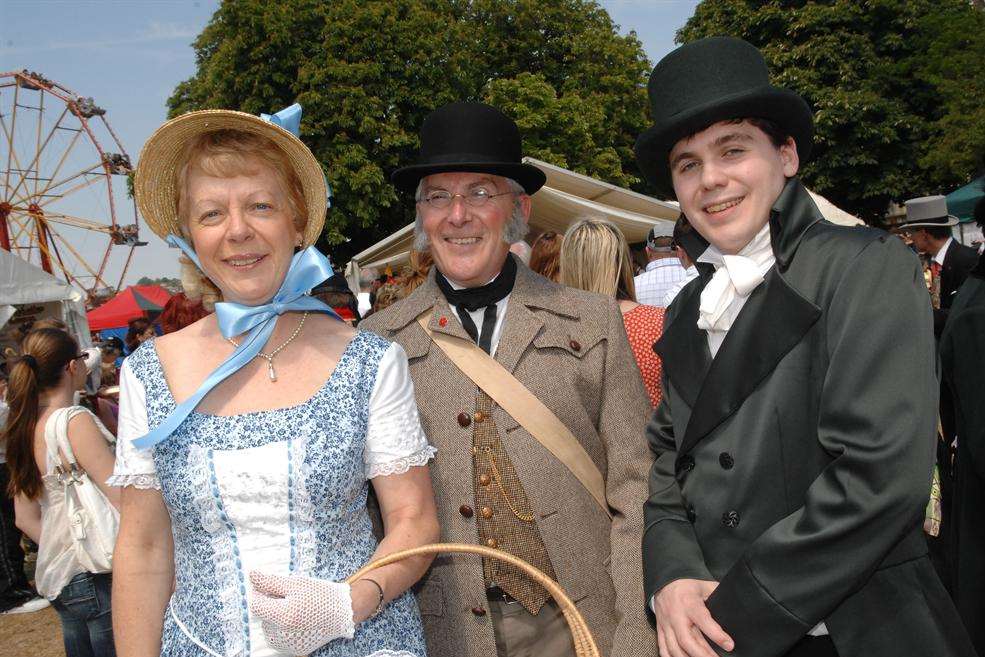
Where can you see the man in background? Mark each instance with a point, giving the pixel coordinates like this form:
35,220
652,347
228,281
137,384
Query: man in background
928,225
690,271
663,271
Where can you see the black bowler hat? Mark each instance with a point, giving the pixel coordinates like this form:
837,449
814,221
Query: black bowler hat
470,137
707,81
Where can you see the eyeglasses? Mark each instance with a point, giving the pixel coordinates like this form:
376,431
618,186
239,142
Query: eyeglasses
441,199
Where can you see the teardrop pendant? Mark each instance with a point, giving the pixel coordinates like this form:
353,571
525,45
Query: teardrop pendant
271,372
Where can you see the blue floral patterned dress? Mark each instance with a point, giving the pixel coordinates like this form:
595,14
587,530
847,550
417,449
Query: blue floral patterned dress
282,491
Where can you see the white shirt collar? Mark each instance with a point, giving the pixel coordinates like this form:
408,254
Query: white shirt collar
939,256
663,262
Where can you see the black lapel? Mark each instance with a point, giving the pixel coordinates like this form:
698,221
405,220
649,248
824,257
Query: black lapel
773,321
683,347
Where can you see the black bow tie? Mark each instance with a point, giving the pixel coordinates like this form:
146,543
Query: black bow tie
485,296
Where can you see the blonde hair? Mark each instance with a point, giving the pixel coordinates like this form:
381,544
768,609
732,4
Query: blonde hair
595,257
225,154
229,153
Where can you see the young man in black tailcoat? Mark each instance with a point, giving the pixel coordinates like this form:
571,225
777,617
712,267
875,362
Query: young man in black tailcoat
795,441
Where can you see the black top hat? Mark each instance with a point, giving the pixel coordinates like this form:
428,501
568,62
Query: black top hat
470,137
707,81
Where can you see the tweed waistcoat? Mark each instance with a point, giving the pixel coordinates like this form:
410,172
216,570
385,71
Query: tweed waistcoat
504,517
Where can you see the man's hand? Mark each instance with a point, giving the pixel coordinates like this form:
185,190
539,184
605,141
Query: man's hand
683,620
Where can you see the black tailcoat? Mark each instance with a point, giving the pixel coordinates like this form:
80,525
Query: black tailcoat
963,366
958,261
795,467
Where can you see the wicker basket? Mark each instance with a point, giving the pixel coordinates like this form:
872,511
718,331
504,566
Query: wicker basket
584,643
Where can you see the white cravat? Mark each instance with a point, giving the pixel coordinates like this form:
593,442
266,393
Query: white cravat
736,276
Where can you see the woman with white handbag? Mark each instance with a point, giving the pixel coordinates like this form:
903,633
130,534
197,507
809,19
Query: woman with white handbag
59,456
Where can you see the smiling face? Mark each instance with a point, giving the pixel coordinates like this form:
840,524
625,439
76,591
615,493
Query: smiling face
242,230
727,178
466,241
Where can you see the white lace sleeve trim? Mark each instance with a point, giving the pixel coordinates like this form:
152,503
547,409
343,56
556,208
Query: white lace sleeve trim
141,481
133,467
395,440
402,465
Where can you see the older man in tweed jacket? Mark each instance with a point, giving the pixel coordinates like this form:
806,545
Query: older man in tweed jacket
494,482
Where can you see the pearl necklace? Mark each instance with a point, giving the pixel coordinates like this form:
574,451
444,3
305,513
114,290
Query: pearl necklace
271,372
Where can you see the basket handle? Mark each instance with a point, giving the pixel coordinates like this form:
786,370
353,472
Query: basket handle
584,642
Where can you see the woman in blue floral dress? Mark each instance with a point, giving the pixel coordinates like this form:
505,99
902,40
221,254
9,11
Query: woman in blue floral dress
248,440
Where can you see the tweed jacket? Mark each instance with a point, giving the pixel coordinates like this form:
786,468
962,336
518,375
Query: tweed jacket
570,349
794,467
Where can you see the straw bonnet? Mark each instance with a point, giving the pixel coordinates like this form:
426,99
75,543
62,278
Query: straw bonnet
157,169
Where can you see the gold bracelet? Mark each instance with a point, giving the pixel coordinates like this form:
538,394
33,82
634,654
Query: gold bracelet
379,606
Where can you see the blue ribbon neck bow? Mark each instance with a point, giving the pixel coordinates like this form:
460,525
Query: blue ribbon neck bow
308,268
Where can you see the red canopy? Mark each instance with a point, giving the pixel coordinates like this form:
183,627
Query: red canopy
135,301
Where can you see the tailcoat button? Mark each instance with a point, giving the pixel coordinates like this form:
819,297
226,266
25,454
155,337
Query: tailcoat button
464,419
730,519
478,611
691,515
493,543
575,345
726,461
442,321
466,511
483,480
486,512
685,463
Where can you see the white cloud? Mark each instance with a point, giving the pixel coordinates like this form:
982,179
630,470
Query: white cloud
155,31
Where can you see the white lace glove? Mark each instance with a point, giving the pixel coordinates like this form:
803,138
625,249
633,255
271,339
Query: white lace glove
300,614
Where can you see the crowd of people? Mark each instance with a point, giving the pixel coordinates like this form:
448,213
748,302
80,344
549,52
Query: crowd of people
757,405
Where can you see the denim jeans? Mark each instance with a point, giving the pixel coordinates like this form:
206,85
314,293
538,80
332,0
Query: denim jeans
87,621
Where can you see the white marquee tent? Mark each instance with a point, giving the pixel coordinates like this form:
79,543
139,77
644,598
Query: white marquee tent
28,293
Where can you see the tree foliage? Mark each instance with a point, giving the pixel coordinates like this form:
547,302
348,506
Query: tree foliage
368,71
896,86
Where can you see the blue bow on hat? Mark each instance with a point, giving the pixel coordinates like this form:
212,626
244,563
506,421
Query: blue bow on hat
308,269
289,118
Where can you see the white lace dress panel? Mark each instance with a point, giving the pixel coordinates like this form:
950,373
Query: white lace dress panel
282,491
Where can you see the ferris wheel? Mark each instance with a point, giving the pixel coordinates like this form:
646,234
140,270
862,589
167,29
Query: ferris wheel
64,180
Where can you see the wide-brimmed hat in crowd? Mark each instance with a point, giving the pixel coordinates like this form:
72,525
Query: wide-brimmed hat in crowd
707,81
470,137
927,212
157,169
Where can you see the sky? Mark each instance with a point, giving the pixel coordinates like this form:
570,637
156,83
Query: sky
128,55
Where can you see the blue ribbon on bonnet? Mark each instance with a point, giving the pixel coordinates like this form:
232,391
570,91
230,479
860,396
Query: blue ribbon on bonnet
308,269
289,118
